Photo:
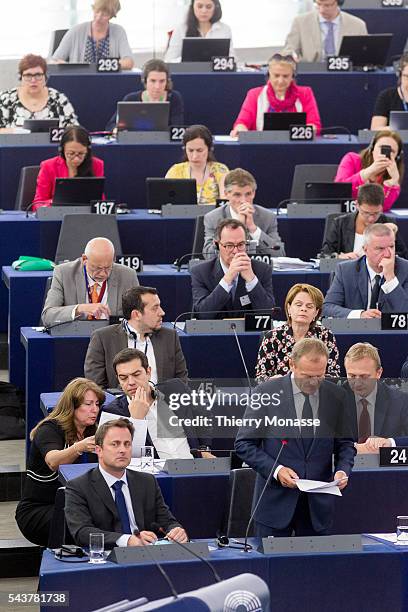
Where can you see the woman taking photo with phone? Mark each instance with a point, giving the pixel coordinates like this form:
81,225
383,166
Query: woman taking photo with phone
381,162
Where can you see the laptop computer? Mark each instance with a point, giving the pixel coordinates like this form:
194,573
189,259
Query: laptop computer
143,116
283,121
204,49
79,191
40,125
327,193
399,120
367,50
161,191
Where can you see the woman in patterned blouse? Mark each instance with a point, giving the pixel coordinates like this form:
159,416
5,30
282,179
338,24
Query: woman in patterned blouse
33,99
303,305
199,163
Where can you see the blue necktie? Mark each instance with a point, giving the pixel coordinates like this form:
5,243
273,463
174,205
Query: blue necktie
329,46
307,433
121,506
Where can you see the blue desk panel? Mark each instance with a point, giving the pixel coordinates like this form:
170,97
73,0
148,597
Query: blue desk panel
174,289
369,580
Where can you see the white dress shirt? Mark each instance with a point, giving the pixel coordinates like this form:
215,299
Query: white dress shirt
228,288
358,244
98,284
145,345
217,30
257,233
110,480
387,287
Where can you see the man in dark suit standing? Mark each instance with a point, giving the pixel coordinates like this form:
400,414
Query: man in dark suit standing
375,283
379,413
143,329
309,450
231,282
122,504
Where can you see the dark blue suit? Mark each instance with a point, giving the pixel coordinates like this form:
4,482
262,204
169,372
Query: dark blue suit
279,503
209,296
390,415
349,290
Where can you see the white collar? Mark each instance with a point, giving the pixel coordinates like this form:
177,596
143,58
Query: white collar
371,397
110,480
336,20
372,274
296,389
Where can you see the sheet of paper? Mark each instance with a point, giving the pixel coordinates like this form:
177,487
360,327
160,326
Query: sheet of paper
140,425
386,537
317,486
158,465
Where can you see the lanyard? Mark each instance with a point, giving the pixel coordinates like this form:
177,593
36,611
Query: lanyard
88,290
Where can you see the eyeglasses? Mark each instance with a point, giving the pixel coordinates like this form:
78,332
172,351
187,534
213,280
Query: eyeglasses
73,155
230,246
369,214
106,269
30,76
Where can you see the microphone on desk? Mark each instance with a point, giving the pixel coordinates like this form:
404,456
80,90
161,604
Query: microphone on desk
159,529
241,354
29,207
268,480
159,567
179,261
328,129
48,328
192,314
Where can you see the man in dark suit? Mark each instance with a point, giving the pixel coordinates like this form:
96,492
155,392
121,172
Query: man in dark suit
261,223
378,412
122,504
344,235
375,283
90,286
232,282
142,329
309,450
147,406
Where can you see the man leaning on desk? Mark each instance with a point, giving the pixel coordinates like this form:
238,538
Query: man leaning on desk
375,283
88,287
231,283
319,33
122,504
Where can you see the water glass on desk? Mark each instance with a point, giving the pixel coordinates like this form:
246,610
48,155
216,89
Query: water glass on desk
402,530
96,548
147,458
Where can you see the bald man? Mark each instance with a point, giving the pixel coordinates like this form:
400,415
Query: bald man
90,286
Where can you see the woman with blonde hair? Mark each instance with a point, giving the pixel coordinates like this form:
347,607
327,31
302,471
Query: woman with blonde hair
99,39
303,307
66,435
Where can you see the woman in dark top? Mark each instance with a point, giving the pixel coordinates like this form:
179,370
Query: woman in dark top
393,98
303,306
344,235
66,435
157,88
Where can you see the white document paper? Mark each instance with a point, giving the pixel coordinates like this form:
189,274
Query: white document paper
317,486
135,465
386,537
140,425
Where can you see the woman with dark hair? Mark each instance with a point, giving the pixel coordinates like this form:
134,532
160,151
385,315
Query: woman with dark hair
33,99
200,164
303,307
66,435
381,162
203,19
158,87
392,98
75,159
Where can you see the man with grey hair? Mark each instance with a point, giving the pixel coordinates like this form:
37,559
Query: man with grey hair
88,287
372,284
314,445
261,223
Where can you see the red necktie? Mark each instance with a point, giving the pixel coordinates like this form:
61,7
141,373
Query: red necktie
94,295
364,424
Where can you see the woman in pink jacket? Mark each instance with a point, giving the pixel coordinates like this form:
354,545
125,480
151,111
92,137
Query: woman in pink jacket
280,95
75,159
381,162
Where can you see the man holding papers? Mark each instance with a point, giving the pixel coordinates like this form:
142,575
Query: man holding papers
313,435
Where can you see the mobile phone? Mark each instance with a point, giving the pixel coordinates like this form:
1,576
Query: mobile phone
386,150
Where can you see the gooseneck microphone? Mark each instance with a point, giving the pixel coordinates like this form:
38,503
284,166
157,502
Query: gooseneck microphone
268,480
159,529
48,328
241,354
159,567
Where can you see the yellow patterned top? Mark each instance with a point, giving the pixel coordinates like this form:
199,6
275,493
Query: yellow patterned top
210,190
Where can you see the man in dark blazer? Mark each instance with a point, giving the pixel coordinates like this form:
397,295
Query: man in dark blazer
261,223
232,282
375,283
90,286
307,452
378,412
122,504
344,233
142,328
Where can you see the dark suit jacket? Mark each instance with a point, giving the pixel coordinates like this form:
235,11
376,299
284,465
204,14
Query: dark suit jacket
259,451
349,290
104,346
90,507
390,416
208,295
339,237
